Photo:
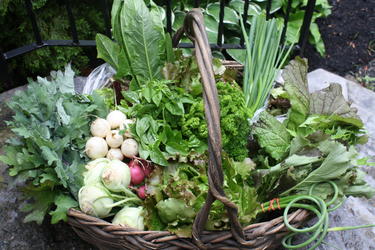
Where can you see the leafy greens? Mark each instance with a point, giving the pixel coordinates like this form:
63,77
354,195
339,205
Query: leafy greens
51,126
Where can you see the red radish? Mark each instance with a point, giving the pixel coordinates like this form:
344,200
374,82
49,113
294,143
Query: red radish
146,166
142,192
136,173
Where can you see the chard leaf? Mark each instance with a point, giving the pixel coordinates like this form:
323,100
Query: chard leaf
272,136
108,50
295,77
331,102
140,39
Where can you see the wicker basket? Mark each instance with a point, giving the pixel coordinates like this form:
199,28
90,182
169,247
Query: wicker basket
265,235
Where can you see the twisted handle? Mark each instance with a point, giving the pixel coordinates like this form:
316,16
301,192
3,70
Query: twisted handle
194,28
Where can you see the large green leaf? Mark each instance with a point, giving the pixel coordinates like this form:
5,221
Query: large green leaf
272,136
337,162
295,77
237,54
238,5
108,50
230,15
140,38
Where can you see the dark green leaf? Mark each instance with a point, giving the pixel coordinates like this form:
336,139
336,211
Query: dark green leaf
63,203
140,39
272,136
108,50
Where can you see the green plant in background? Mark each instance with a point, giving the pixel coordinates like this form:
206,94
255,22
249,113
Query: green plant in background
264,58
53,25
234,10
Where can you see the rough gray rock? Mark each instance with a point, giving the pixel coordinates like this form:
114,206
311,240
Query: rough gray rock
355,211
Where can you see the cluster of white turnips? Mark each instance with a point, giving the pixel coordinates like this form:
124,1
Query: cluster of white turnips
111,138
108,181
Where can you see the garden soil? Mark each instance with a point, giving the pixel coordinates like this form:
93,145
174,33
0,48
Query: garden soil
349,37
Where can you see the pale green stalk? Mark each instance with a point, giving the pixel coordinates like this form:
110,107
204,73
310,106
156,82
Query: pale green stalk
264,57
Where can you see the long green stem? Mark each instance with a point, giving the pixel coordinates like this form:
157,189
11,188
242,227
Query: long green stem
264,57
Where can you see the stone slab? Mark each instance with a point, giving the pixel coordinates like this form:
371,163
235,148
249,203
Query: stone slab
355,211
320,79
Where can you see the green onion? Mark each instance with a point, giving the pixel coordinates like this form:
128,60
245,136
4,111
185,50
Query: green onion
264,57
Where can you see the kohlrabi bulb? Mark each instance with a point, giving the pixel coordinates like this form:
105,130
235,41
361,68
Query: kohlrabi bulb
96,162
116,176
94,200
131,217
94,171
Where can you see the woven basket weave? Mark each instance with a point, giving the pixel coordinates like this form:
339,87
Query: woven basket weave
265,235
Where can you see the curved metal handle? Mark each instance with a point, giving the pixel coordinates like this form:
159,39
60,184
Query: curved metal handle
194,28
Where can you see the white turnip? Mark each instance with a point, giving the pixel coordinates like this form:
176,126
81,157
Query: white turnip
116,118
96,147
115,153
114,139
129,148
100,128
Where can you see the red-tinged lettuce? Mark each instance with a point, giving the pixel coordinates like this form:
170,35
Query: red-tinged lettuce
177,193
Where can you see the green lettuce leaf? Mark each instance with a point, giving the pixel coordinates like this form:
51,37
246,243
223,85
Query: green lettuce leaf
108,50
272,136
